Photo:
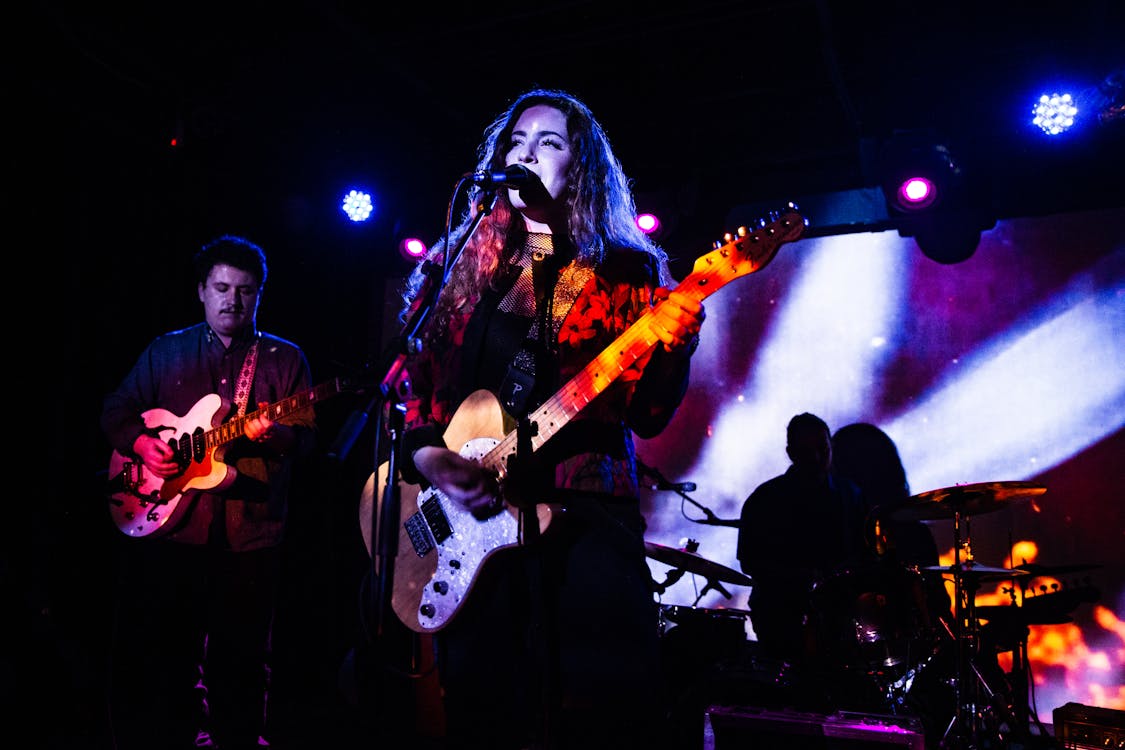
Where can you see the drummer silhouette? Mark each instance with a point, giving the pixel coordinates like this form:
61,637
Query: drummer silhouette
867,456
906,629
796,529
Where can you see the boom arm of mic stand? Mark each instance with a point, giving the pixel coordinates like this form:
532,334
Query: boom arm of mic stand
711,519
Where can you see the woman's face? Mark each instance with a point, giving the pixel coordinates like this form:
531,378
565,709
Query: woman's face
541,143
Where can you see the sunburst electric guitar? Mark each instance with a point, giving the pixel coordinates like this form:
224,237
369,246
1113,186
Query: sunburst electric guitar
442,546
143,504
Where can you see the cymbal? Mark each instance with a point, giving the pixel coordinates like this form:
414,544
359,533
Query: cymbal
1046,609
693,563
1035,569
1006,614
964,499
970,569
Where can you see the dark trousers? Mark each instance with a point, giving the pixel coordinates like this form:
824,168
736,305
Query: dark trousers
557,646
191,645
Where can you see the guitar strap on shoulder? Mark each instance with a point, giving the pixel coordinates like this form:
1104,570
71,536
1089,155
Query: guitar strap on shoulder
519,382
246,378
555,294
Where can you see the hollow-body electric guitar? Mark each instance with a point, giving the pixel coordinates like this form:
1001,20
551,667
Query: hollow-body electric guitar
441,546
143,504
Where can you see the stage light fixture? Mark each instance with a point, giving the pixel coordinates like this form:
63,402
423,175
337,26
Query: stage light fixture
1054,113
412,249
357,205
918,172
648,223
915,193
929,197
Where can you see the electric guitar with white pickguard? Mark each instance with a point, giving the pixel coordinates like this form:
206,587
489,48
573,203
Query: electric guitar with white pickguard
441,545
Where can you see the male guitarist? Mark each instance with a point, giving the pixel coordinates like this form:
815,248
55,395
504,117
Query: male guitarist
556,645
200,564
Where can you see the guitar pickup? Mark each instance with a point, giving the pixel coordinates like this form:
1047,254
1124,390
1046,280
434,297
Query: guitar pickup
131,476
436,519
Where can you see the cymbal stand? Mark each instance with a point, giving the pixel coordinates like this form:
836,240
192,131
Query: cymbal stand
963,728
974,698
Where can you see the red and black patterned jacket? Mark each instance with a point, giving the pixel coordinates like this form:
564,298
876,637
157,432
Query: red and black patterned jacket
594,452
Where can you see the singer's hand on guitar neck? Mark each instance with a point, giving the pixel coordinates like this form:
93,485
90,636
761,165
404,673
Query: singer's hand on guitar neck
460,479
677,318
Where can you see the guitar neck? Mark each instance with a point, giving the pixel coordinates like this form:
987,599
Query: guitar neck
235,428
743,254
637,341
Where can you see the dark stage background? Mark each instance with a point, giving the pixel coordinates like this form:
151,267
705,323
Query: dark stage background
1007,366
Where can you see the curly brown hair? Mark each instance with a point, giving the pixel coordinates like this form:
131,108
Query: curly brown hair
601,211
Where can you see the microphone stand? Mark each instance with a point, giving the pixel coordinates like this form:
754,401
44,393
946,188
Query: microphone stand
679,488
384,524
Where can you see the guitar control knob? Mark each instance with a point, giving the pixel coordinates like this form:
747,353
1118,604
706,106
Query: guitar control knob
427,610
441,587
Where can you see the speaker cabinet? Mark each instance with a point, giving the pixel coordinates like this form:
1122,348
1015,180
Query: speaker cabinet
1079,727
750,728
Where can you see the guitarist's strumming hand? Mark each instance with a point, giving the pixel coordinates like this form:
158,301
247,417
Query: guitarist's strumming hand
677,318
157,456
463,481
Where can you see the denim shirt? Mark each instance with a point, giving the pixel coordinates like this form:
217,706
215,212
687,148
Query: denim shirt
173,373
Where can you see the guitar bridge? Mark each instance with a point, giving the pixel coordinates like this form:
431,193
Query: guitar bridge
419,535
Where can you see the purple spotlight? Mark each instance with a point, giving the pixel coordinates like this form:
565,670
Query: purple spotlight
412,248
648,223
916,193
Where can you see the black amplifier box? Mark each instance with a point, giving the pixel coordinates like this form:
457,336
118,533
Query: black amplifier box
750,728
1079,727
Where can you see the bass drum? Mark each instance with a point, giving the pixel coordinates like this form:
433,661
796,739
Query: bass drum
701,653
872,617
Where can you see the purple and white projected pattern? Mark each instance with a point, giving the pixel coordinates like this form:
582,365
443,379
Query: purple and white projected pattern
1009,366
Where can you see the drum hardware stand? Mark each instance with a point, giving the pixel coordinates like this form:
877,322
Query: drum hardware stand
673,576
967,728
964,728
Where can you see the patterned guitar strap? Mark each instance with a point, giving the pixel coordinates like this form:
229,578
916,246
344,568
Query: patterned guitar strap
246,378
218,532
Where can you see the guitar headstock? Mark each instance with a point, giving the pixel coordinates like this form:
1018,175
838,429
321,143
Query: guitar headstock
750,250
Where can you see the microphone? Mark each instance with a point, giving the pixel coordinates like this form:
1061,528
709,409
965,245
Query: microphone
661,483
673,486
514,176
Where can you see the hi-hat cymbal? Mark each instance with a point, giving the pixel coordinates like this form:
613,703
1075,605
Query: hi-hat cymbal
970,569
693,563
964,499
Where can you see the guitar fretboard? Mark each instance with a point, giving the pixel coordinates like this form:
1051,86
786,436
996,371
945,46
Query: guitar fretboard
236,427
740,256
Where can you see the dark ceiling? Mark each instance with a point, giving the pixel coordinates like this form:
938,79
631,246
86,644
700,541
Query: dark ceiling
711,105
